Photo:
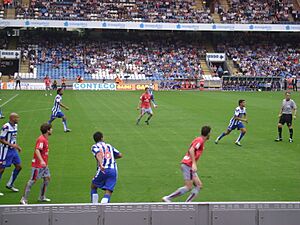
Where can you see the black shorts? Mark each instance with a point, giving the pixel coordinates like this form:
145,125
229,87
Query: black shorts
286,118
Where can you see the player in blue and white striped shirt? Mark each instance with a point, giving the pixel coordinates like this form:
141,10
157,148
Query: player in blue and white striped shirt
9,150
236,121
56,111
107,172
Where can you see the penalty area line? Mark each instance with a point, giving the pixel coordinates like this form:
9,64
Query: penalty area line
9,100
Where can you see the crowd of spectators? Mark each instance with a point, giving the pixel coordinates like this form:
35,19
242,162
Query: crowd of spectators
258,56
172,11
251,11
232,84
152,57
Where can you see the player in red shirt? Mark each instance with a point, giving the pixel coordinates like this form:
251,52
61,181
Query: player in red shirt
189,168
47,82
39,165
145,106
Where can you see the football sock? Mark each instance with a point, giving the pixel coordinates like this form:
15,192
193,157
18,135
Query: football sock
13,177
51,119
280,132
65,124
194,194
94,196
44,188
221,136
29,184
180,191
241,136
291,132
149,117
105,199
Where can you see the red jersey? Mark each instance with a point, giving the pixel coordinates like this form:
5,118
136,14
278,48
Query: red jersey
198,145
42,145
47,82
146,99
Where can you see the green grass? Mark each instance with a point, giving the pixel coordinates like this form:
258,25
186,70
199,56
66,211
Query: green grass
261,170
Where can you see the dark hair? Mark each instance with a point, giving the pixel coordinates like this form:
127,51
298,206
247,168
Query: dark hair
146,88
58,90
45,127
241,100
98,136
205,130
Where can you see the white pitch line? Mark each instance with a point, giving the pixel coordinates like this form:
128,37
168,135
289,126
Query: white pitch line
9,100
34,110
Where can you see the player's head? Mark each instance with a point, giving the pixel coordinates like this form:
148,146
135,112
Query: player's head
242,102
146,89
60,91
205,131
98,136
287,95
14,118
46,128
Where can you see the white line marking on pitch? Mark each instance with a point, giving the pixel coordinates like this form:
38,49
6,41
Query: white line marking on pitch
34,110
9,100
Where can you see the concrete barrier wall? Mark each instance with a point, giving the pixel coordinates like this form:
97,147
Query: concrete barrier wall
229,213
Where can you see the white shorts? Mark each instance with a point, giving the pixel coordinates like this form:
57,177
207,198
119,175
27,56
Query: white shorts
38,173
148,110
187,172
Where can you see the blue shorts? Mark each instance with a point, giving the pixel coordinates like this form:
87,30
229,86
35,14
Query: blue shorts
238,126
12,157
58,115
107,180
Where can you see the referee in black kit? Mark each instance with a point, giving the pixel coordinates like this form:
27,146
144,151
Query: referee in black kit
287,110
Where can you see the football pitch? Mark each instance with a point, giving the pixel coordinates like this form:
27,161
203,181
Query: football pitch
260,170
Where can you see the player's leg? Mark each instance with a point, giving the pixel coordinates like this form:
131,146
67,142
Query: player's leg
110,183
150,113
34,176
188,184
1,114
242,134
197,187
52,118
142,113
228,131
44,186
17,163
94,194
97,182
1,173
64,121
279,129
291,131
106,197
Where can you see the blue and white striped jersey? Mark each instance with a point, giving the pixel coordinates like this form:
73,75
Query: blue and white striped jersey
108,152
56,107
237,113
9,134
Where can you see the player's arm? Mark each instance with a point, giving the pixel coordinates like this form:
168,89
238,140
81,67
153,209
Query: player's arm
64,106
294,111
192,155
153,102
243,119
38,154
117,154
140,103
3,141
99,157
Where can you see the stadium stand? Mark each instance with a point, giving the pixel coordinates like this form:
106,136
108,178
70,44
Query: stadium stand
54,54
250,11
264,57
116,10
